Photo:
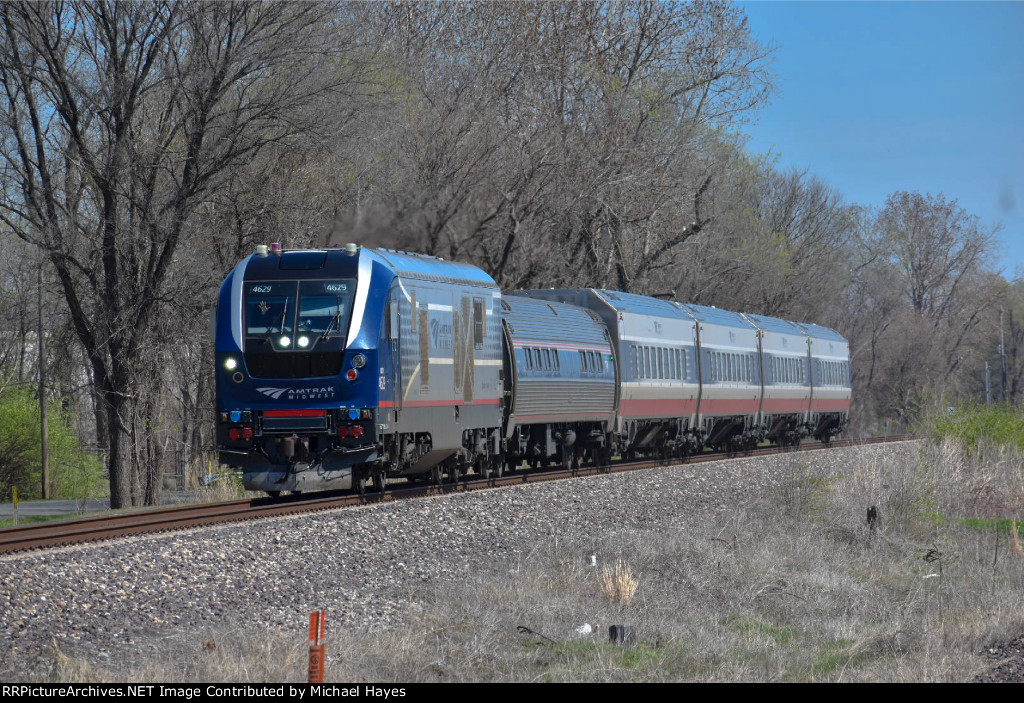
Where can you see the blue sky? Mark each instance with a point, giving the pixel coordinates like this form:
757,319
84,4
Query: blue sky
876,97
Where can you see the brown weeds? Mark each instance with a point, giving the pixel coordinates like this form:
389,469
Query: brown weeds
618,584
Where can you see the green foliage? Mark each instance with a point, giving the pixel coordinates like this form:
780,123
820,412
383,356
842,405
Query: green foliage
575,655
750,625
985,525
975,427
24,520
73,472
836,656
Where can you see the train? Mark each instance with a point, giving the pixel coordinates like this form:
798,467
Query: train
342,368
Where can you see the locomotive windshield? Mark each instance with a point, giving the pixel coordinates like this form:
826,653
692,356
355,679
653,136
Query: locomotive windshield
296,315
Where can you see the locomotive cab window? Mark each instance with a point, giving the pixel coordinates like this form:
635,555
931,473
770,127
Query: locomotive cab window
293,316
324,308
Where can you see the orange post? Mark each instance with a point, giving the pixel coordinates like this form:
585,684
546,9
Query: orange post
317,648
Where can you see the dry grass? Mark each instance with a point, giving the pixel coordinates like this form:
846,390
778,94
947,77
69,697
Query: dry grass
795,587
618,584
227,654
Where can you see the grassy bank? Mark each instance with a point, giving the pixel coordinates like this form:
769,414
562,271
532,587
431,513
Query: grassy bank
794,587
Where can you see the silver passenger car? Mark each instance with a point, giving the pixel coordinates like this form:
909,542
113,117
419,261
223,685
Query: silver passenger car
559,380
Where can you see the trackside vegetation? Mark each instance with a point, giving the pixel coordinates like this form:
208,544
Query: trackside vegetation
74,473
977,427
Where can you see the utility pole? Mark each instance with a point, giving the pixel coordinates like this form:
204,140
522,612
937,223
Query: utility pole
43,418
1002,352
988,387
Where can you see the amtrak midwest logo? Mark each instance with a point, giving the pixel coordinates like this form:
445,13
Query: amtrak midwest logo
309,393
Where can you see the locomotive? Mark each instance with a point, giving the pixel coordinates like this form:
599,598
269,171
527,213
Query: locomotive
342,368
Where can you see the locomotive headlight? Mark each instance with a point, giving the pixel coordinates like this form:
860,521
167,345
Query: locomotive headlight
231,363
359,361
303,341
285,341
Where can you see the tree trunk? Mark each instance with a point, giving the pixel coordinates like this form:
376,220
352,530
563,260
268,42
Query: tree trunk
119,457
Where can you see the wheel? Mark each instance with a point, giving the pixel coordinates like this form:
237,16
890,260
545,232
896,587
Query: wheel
453,472
378,481
577,461
274,494
491,466
435,475
360,484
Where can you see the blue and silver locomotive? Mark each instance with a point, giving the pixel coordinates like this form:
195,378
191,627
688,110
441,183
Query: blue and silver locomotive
337,367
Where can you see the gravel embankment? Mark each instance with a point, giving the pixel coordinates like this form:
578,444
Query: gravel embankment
96,602
1007,663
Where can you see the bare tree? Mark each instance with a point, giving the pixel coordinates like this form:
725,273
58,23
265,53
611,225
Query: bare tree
922,302
936,244
119,120
553,143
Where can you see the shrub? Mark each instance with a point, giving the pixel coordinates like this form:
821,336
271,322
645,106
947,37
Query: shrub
976,427
73,472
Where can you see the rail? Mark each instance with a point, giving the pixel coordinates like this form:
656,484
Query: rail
92,529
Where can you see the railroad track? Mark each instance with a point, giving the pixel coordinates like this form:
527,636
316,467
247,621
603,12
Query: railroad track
83,530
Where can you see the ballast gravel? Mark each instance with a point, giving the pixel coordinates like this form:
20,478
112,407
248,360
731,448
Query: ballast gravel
96,602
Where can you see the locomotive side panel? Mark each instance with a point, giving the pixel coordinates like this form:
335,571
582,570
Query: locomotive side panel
450,365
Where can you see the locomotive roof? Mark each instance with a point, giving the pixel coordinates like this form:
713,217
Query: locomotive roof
334,262
430,268
283,265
